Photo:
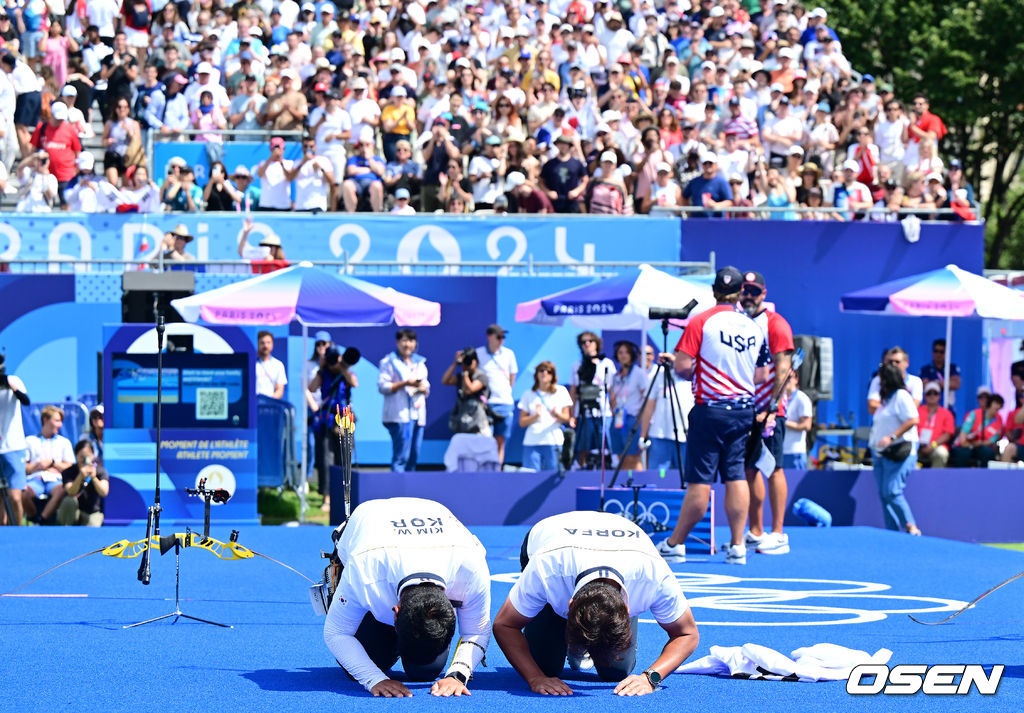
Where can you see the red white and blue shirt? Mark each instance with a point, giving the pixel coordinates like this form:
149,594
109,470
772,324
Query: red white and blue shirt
726,346
779,337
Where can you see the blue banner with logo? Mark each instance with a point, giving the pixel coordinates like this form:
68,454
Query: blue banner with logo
361,237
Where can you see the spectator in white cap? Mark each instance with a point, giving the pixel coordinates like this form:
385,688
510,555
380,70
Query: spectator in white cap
287,110
68,96
402,206
363,110
606,193
247,105
709,189
665,192
397,119
857,195
87,192
205,81
242,180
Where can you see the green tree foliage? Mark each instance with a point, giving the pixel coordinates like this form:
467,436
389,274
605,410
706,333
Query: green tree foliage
968,57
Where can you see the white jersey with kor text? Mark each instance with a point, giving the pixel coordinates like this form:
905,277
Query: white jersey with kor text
727,347
566,551
390,544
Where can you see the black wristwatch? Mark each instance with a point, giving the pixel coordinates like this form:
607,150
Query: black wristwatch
461,677
653,677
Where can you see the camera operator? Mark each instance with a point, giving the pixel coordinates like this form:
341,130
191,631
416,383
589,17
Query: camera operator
334,383
12,441
470,414
590,389
86,484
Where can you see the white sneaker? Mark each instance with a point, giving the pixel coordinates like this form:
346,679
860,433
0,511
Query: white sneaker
774,543
735,554
753,540
672,553
582,664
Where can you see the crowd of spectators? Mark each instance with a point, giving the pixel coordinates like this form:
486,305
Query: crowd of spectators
464,105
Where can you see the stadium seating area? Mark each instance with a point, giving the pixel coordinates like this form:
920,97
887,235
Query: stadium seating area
462,106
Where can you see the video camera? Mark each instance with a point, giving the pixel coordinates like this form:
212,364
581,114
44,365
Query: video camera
467,356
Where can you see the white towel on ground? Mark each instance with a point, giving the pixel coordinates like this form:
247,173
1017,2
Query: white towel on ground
821,662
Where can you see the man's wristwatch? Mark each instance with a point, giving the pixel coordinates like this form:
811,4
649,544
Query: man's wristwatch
653,677
460,677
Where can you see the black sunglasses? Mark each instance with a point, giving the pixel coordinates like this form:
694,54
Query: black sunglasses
752,290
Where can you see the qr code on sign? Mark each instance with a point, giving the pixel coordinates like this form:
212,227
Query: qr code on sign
211,404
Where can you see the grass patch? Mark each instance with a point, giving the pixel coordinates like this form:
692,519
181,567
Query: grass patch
277,508
1016,546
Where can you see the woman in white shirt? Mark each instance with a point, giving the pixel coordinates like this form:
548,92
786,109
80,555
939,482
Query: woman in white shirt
895,422
543,410
628,389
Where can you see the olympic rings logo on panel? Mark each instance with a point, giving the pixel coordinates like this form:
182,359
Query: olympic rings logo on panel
656,513
792,601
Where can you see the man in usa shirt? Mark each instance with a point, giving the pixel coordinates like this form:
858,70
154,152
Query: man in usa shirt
722,351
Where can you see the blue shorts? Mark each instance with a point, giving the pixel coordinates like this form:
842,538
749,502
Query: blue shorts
42,487
774,444
12,467
716,443
618,437
503,428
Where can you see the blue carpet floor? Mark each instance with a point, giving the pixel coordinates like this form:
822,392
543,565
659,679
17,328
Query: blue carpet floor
849,586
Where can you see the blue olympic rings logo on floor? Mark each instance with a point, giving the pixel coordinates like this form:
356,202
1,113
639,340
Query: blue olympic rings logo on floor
793,601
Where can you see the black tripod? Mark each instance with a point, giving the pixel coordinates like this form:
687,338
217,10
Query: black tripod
666,380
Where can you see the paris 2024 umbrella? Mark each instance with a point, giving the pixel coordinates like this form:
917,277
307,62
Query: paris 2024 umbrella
947,292
313,298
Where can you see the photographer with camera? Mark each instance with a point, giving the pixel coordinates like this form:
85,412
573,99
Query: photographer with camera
470,412
590,389
86,484
334,383
12,443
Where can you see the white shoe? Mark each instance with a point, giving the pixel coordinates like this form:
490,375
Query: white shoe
774,543
753,540
672,553
582,664
735,554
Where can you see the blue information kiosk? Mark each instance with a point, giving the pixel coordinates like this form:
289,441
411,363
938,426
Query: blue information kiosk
208,422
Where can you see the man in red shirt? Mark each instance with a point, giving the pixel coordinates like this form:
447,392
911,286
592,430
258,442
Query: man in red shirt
935,428
924,125
59,139
530,200
779,337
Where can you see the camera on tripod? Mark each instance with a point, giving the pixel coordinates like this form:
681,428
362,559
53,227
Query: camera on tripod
672,312
589,393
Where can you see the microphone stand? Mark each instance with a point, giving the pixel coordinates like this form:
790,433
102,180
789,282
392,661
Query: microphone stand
153,513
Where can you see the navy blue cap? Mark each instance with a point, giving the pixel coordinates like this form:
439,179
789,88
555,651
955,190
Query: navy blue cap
728,281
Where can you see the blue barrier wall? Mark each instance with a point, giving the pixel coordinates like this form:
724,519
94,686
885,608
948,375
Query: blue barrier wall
485,239
809,265
50,325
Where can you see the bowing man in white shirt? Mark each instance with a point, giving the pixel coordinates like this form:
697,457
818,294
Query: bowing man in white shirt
408,565
587,576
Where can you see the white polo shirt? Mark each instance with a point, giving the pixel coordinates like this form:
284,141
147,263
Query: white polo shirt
566,550
57,448
393,543
913,383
